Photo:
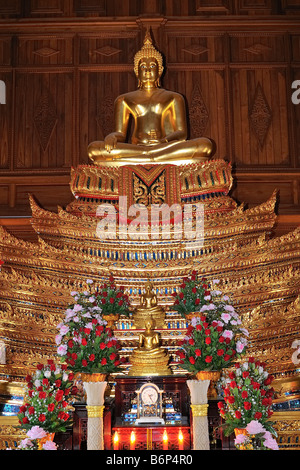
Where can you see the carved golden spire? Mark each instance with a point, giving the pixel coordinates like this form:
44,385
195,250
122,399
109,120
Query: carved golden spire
148,50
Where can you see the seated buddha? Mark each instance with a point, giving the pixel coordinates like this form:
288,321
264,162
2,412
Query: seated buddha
149,358
159,116
148,309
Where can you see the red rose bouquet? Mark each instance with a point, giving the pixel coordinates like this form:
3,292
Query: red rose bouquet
49,393
192,294
247,396
211,346
84,341
112,300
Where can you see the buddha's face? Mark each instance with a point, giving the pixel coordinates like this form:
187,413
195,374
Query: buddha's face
148,72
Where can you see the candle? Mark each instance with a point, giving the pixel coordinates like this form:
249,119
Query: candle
165,440
116,441
180,440
132,440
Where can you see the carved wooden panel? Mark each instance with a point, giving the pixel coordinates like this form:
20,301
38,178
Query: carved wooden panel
254,188
12,8
235,75
206,107
5,50
260,118
98,92
44,7
44,120
256,6
295,115
6,122
295,43
49,50
257,48
113,47
194,48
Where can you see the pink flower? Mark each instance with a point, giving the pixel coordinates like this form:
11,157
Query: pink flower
240,439
270,442
226,317
49,445
62,350
255,427
36,433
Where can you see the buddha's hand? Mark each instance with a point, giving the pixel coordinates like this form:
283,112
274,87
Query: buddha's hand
110,142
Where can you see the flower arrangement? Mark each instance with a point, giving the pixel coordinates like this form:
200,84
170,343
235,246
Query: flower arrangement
49,392
193,293
112,299
32,441
212,346
84,341
247,396
257,438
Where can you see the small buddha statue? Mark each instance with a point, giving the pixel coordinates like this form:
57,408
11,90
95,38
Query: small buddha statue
149,358
148,309
159,116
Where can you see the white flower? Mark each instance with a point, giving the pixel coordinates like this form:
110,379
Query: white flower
91,299
37,383
207,297
65,377
86,293
74,293
89,281
203,308
216,281
47,373
225,298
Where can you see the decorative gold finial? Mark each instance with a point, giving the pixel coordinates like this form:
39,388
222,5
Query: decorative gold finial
148,50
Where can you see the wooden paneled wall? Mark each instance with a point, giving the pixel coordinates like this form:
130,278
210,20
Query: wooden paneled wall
64,63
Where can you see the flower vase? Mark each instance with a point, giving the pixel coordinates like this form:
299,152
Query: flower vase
94,386
199,407
213,376
111,318
191,315
43,440
238,431
93,377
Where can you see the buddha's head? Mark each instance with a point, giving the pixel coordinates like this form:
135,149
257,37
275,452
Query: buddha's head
148,62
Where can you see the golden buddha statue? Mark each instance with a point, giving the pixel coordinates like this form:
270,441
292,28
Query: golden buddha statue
148,309
149,358
160,127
